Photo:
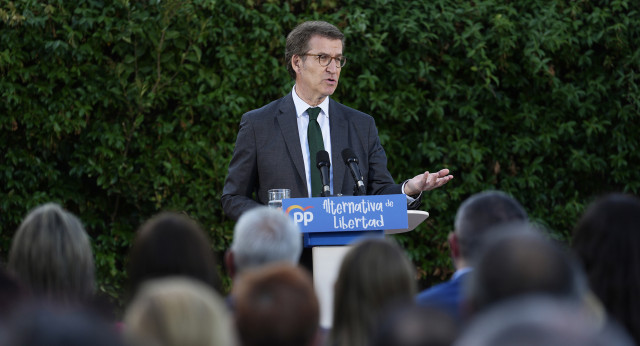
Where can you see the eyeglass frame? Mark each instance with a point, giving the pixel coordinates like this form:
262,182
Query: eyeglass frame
339,64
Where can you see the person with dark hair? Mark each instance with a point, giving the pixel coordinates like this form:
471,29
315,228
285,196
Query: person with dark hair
518,261
277,145
276,305
171,244
375,275
415,326
51,255
607,242
475,219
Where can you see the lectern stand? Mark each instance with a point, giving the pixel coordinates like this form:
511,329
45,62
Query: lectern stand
330,224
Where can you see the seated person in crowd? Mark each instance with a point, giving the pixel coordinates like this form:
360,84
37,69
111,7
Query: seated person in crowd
49,325
171,244
51,255
474,220
607,242
263,236
541,321
415,326
12,294
374,276
178,311
276,305
519,261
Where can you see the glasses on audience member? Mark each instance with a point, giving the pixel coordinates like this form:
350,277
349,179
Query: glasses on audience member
325,59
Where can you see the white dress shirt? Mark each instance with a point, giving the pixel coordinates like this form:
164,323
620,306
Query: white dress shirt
303,123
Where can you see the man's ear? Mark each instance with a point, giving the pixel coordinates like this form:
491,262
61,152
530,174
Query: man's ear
296,63
228,263
454,245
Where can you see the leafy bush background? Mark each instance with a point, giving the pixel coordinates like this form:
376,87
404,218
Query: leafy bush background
120,109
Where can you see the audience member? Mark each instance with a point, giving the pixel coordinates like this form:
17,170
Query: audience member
171,244
518,261
374,275
607,241
51,255
262,236
178,311
415,326
475,218
12,294
44,325
276,305
541,321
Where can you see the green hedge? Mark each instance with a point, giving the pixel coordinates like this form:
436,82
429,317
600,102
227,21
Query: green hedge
119,109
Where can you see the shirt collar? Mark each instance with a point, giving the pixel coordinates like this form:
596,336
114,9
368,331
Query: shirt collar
458,273
302,106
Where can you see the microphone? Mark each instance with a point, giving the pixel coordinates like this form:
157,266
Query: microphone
351,160
323,164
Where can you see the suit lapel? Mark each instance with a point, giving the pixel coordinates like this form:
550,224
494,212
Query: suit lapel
339,128
289,128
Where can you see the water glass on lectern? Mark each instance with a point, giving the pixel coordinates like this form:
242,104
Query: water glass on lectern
276,196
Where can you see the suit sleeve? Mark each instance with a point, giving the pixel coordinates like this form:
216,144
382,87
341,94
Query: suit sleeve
242,178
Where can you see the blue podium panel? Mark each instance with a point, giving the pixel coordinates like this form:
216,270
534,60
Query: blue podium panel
340,220
337,238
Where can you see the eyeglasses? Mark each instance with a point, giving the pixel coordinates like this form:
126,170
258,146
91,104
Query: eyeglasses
325,59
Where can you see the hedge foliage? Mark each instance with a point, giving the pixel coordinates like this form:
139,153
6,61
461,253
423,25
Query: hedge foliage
119,109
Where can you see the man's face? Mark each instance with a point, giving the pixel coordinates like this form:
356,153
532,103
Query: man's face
315,82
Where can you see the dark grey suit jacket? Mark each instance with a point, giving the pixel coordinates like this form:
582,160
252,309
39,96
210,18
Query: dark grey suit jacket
268,155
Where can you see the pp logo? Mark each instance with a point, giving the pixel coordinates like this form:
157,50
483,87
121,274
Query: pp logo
302,216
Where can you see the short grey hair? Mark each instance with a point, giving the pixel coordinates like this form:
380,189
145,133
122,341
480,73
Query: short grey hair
51,254
264,235
298,39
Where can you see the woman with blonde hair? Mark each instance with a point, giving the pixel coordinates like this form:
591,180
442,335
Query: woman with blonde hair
178,311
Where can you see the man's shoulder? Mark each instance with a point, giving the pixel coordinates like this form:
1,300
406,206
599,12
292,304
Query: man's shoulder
273,107
443,289
353,114
450,287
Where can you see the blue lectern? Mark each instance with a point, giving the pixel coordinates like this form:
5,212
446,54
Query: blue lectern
330,223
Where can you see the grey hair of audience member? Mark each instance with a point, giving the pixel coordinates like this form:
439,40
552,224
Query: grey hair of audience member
519,260
264,235
541,321
480,213
178,311
51,254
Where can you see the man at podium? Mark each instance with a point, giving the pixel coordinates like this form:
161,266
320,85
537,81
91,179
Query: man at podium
278,145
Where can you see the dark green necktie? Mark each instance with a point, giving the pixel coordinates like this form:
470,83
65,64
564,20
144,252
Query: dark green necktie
314,135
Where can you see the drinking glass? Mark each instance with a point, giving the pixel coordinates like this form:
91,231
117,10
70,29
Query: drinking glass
276,196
